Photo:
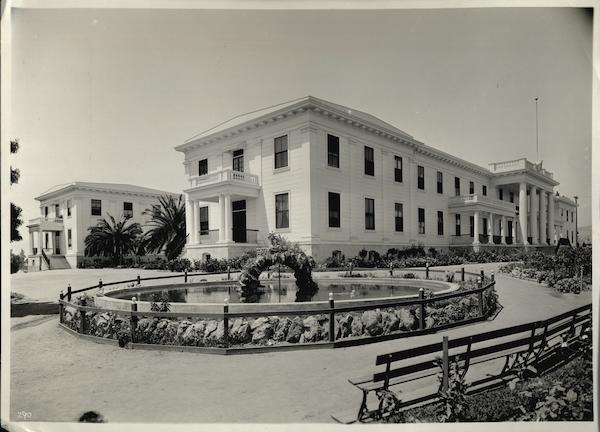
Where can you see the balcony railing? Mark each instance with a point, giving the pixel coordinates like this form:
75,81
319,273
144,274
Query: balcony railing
224,176
212,236
473,199
39,220
517,164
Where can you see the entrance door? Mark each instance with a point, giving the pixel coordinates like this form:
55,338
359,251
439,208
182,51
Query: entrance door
239,221
57,242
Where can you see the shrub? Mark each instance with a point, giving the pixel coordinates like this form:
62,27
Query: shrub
569,285
16,263
179,265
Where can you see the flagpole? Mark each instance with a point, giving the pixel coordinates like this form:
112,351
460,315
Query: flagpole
537,145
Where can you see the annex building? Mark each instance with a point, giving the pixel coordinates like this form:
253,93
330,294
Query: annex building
56,237
337,180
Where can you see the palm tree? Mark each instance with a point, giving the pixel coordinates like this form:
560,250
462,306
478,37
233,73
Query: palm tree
112,238
167,227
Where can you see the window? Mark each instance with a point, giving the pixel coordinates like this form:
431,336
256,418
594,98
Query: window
399,217
471,188
511,197
128,209
333,151
457,228
484,190
46,211
203,220
369,161
238,160
472,226
69,204
572,217
398,168
440,182
561,212
421,221
281,152
369,214
567,215
203,167
440,221
420,177
69,241
46,240
57,211
334,210
96,207
282,211
500,194
456,186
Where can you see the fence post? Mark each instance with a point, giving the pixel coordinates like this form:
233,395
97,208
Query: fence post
482,274
69,292
479,282
462,274
226,322
445,364
185,275
481,304
331,318
581,279
422,309
100,284
134,318
228,272
426,270
60,307
82,322
391,269
139,280
493,277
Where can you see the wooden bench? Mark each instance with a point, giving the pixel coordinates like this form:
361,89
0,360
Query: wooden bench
518,348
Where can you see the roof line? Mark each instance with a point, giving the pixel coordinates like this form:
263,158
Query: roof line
241,115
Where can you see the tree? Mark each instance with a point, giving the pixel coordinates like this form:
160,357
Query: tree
167,227
112,238
15,222
15,210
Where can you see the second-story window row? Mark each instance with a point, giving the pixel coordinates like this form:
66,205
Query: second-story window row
281,151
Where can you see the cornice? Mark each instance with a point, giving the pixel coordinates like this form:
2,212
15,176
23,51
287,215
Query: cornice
74,189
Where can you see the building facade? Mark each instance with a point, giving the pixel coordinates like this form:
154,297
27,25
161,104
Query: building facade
56,237
335,179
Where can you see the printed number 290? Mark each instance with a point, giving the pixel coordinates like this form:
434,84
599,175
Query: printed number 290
24,415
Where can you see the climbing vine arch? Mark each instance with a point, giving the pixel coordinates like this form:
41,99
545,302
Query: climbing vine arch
279,251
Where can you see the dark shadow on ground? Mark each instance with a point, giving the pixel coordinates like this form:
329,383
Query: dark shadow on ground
36,308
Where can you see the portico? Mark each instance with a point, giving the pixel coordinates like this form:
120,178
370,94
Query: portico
234,193
533,185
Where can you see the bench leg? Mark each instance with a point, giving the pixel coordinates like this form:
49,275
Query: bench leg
363,407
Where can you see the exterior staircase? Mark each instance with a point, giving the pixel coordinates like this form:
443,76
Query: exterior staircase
57,262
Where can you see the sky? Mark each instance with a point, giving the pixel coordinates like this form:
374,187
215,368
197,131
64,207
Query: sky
105,95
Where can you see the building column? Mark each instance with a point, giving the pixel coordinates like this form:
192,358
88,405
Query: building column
543,221
40,241
490,232
221,218
503,230
188,219
551,226
193,232
197,220
476,227
228,219
523,212
31,243
533,206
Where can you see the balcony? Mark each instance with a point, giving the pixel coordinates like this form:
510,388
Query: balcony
46,223
224,176
517,165
477,202
209,186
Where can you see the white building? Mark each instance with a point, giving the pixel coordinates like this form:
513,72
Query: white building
336,179
56,237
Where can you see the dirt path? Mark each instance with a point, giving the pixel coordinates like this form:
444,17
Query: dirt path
56,376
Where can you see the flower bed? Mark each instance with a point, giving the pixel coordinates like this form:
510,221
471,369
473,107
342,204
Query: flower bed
569,270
